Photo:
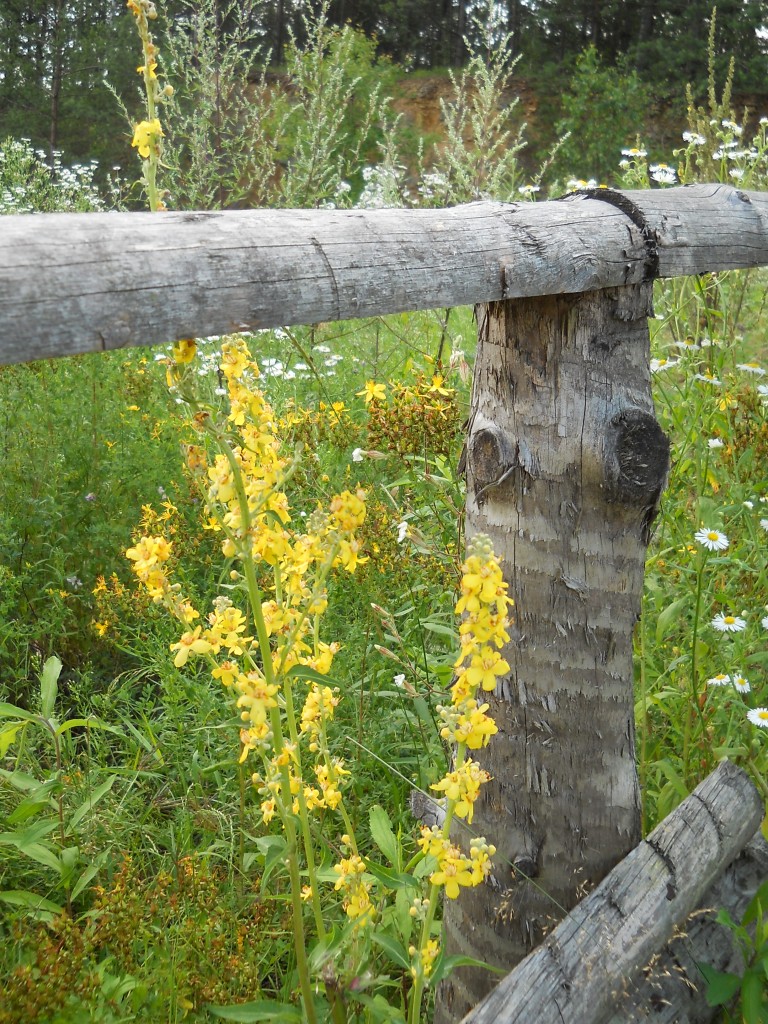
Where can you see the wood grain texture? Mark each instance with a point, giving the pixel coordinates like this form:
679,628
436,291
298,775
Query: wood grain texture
559,478
581,971
73,283
670,989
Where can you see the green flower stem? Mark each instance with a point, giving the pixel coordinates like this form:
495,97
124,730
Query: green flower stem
306,831
418,984
149,166
694,709
254,597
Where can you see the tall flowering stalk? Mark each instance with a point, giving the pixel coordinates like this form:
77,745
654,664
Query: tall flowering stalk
148,133
262,641
483,632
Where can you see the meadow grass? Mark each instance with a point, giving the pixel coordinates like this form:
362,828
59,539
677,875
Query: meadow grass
123,798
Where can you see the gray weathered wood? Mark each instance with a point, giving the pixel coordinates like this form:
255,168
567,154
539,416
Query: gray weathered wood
580,971
670,989
565,464
73,283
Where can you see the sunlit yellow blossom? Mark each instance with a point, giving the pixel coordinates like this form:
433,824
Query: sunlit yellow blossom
226,672
145,135
485,667
373,392
148,552
235,357
462,787
426,957
152,69
184,351
190,643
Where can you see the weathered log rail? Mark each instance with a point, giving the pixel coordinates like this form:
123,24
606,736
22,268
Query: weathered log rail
72,283
565,464
585,971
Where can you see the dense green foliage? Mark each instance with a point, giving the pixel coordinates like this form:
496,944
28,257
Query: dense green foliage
122,802
59,58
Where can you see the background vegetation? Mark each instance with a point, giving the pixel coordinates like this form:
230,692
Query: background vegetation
136,878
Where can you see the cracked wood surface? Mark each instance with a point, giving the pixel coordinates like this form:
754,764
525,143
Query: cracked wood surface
583,971
72,283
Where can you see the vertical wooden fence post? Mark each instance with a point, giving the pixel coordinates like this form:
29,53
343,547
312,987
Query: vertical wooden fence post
565,464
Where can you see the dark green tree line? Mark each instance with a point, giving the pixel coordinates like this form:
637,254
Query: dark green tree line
58,55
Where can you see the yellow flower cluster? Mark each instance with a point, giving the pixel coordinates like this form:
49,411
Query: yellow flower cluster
483,631
462,787
355,887
253,653
454,869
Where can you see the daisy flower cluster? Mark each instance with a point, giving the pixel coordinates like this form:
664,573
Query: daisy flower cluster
727,623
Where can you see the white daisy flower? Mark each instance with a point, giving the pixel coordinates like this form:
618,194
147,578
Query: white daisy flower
728,623
715,442
663,173
357,455
758,717
663,364
741,684
764,524
712,540
708,378
721,679
755,368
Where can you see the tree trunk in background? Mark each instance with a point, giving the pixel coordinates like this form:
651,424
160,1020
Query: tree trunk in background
565,465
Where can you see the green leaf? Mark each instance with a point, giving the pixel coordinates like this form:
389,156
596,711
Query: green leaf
392,879
83,723
8,736
394,948
28,809
91,802
440,628
35,851
305,672
383,836
88,875
30,901
11,711
445,964
49,685
721,987
753,1005
273,849
254,1013
670,614
20,780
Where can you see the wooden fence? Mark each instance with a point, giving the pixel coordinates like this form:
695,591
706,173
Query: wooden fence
565,465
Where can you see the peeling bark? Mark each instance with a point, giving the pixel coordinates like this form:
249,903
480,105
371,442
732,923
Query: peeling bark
565,465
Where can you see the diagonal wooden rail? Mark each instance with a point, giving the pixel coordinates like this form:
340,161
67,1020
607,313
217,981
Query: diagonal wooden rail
72,283
565,462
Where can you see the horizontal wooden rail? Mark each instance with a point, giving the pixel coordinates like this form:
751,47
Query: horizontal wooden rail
73,283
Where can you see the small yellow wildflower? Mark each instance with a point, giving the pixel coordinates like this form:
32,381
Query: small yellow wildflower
373,392
184,351
146,134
